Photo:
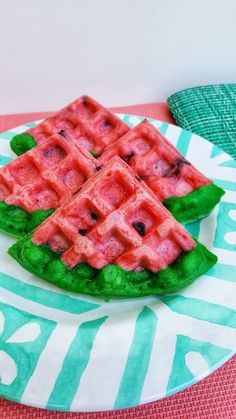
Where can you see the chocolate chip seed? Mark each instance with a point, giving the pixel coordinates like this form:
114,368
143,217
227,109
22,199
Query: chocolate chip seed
139,227
127,158
174,169
62,133
107,123
94,216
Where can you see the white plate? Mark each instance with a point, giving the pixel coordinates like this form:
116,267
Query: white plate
76,353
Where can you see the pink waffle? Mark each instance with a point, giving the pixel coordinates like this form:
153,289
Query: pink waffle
102,127
115,218
47,175
156,161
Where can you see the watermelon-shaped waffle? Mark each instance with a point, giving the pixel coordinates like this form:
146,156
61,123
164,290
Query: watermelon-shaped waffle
113,239
186,192
89,122
40,180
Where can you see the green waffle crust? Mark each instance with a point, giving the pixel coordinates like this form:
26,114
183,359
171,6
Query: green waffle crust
22,142
111,281
18,222
195,205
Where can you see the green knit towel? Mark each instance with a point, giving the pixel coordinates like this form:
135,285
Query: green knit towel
209,111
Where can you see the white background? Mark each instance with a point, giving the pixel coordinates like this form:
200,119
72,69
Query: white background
119,51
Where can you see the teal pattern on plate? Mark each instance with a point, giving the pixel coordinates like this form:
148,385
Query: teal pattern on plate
188,355
23,338
138,359
52,340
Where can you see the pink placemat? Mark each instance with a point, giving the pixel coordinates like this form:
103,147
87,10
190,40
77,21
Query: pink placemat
214,397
